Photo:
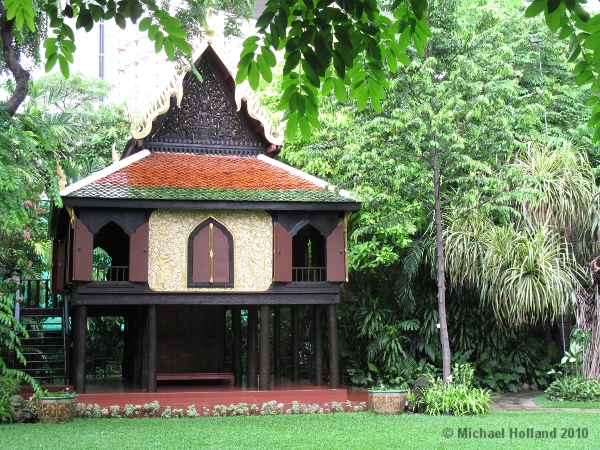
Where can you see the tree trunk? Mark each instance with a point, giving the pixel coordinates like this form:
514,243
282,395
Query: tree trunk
20,75
441,275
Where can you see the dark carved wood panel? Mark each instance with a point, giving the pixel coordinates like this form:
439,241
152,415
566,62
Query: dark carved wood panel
82,252
206,120
336,255
189,339
220,256
282,257
138,254
201,265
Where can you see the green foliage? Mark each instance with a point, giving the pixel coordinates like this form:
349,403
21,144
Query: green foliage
9,386
456,396
327,47
574,388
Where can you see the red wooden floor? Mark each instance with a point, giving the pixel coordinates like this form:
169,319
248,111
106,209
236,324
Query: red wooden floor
107,392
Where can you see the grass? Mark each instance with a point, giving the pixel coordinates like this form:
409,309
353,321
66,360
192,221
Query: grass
332,431
545,402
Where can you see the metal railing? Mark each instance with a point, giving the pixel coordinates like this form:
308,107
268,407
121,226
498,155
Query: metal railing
111,273
36,294
309,274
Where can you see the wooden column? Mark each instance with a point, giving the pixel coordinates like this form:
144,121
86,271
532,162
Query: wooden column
265,349
144,348
318,337
295,344
334,370
252,349
277,342
236,344
79,348
152,349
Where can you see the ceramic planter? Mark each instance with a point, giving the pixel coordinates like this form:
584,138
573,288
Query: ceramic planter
387,402
56,409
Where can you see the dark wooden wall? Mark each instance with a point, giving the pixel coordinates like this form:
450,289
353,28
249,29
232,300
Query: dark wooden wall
190,339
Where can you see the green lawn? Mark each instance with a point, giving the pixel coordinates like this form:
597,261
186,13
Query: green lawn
332,431
545,402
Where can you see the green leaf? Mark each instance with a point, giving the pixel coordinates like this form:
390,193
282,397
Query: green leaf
253,75
175,32
584,77
596,137
291,61
170,22
265,70
565,32
305,129
327,86
158,44
64,66
153,31
265,19
169,48
291,127
536,7
181,45
241,74
51,62
363,98
269,56
373,368
323,50
120,20
339,89
592,101
553,5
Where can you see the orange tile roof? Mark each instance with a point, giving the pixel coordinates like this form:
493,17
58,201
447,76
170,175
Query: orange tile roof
176,170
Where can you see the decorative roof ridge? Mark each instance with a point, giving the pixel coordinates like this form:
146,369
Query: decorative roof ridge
104,172
311,178
140,128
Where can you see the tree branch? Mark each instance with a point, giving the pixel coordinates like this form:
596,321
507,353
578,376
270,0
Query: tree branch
20,75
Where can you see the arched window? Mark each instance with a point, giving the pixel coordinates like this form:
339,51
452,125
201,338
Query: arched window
210,256
111,254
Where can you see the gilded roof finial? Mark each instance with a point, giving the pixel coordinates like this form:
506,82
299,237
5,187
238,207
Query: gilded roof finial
62,179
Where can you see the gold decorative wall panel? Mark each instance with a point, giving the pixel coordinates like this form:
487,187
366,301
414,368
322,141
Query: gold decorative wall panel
252,233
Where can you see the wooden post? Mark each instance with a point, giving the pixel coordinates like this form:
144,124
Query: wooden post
144,348
236,350
334,370
252,355
152,349
295,344
277,342
318,336
79,348
265,349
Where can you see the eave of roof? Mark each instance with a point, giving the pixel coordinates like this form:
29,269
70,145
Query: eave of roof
204,178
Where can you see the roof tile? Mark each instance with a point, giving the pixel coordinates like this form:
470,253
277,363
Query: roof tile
176,176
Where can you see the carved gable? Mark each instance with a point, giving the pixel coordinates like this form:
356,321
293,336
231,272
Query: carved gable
207,121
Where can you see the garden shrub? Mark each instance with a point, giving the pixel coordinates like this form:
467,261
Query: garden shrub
574,388
455,396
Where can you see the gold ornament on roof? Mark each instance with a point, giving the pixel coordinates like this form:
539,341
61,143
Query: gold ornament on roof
140,128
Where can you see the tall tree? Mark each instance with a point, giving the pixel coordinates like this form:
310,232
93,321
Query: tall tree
25,24
449,121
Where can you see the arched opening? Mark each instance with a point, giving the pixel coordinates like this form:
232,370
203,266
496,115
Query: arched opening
308,256
111,254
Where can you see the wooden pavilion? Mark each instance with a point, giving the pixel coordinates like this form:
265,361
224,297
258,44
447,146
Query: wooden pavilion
198,217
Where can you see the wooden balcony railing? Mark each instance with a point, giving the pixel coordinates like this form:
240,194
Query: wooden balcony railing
111,273
309,274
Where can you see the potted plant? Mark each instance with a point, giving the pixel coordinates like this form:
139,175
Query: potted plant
388,399
53,407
